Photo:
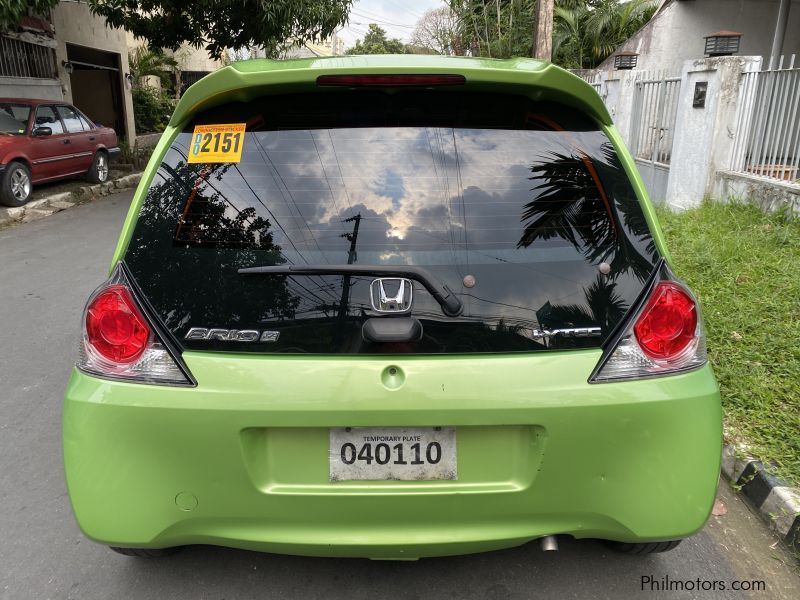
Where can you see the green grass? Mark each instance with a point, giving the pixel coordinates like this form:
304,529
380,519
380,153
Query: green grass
744,266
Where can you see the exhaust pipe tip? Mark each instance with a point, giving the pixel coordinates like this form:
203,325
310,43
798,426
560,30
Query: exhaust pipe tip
549,543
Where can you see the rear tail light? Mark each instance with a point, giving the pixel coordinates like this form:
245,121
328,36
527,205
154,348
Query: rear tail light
664,337
115,328
389,80
120,342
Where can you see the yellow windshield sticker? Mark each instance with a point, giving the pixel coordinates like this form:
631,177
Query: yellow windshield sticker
217,143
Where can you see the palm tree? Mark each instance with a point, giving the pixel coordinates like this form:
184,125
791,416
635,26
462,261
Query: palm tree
145,62
586,32
570,34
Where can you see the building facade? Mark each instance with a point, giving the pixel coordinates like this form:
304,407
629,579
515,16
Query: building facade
677,31
70,55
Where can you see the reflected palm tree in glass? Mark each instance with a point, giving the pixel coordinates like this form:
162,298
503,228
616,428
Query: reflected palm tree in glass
590,204
572,203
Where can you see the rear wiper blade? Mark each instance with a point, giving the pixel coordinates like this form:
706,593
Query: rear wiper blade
450,303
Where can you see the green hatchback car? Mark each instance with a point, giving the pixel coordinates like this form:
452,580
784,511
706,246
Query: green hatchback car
391,307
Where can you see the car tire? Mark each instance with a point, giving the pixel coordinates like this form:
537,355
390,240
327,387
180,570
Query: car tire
642,549
145,552
16,186
99,171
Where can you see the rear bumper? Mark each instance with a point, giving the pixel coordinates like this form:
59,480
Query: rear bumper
114,153
241,460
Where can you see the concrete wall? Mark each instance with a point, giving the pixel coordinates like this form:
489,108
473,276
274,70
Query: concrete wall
196,59
704,136
74,24
769,195
617,89
189,58
23,87
656,180
676,34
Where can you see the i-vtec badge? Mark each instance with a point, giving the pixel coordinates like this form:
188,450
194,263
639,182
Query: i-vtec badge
571,332
232,335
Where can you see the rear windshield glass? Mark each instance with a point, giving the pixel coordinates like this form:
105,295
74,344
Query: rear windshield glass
522,209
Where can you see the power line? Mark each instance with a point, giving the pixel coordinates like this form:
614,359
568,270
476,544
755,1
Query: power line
324,173
406,9
262,151
376,15
229,203
339,166
379,21
291,197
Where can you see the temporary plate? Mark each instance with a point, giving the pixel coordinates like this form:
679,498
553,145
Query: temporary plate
217,143
379,454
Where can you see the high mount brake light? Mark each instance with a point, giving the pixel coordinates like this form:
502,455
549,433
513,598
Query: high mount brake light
665,337
119,342
389,80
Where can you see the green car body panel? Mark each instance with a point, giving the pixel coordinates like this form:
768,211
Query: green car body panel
235,460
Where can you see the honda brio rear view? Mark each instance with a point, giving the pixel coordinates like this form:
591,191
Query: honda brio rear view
391,307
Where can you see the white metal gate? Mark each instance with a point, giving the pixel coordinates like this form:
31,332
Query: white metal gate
655,107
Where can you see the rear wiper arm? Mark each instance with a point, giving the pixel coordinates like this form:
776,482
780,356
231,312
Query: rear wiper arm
450,303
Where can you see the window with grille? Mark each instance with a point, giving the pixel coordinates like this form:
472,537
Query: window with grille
23,59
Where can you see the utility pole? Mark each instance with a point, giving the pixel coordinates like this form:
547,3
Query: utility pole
543,34
351,258
780,33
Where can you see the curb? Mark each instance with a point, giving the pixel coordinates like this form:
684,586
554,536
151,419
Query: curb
776,502
44,207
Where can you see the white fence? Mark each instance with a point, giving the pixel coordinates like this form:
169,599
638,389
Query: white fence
722,128
768,123
655,107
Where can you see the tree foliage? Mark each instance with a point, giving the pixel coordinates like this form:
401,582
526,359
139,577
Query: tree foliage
145,62
585,32
152,109
376,42
12,11
220,24
496,28
438,32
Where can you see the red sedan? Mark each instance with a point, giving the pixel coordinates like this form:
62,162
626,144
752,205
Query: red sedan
43,140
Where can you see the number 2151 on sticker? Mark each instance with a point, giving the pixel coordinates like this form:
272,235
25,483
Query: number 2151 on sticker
217,143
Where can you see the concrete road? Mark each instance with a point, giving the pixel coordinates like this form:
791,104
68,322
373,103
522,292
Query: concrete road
47,270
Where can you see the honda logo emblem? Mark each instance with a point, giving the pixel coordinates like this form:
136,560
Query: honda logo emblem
391,294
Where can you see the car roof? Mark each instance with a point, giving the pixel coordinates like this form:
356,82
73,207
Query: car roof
243,81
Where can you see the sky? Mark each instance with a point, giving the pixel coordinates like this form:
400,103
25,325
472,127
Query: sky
397,17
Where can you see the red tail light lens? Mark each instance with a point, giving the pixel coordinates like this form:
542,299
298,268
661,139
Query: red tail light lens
115,328
389,80
668,323
119,342
664,337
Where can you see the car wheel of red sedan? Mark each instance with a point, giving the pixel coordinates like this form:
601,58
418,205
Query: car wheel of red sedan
98,172
16,185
